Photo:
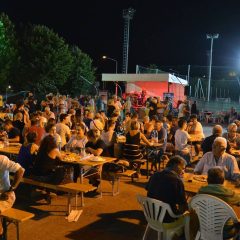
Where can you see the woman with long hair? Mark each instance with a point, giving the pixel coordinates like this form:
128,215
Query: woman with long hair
48,158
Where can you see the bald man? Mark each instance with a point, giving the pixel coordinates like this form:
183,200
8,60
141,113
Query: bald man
219,157
208,141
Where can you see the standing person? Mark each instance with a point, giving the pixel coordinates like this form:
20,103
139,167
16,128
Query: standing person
128,105
194,108
167,186
152,107
7,197
181,109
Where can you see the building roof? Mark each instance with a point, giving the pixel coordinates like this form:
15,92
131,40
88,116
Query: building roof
160,77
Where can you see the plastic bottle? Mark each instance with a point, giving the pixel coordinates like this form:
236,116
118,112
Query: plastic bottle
6,142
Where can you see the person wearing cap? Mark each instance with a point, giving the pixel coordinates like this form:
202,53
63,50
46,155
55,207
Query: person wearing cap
219,157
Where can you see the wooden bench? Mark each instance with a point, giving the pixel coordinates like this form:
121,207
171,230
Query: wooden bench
116,179
14,216
73,189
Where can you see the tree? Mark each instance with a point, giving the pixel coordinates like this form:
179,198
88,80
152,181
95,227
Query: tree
82,79
8,49
46,61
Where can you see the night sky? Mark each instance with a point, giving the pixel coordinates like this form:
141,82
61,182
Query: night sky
165,33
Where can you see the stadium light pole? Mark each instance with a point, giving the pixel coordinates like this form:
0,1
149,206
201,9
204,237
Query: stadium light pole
116,66
212,37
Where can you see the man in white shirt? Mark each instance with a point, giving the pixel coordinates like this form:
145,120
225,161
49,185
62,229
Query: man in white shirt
62,129
7,195
218,157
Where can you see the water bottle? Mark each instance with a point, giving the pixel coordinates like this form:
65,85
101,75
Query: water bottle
82,152
155,136
6,142
59,145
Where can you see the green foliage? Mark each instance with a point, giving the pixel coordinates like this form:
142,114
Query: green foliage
46,61
83,74
8,49
37,59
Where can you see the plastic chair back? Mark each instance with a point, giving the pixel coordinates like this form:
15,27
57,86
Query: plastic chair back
212,213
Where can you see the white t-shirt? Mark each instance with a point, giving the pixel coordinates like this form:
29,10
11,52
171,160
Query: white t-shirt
181,139
63,130
80,143
180,110
6,166
199,128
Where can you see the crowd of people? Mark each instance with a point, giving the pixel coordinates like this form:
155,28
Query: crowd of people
92,126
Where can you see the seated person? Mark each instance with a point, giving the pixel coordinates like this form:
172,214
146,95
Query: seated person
167,186
13,133
161,138
51,129
7,190
79,140
195,127
95,144
97,147
208,141
218,157
173,129
108,135
216,188
27,153
181,141
232,136
48,158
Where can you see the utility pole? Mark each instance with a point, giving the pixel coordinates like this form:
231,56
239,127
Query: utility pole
212,37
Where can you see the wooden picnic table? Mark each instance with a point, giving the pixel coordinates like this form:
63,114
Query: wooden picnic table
196,138
91,162
12,149
193,183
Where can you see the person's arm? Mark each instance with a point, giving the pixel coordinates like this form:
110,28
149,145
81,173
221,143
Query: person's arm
18,174
200,165
17,178
34,148
95,152
16,139
234,170
144,139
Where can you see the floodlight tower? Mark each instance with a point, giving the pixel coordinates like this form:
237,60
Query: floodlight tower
127,16
212,37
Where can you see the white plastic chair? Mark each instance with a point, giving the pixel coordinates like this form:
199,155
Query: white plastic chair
154,211
212,213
